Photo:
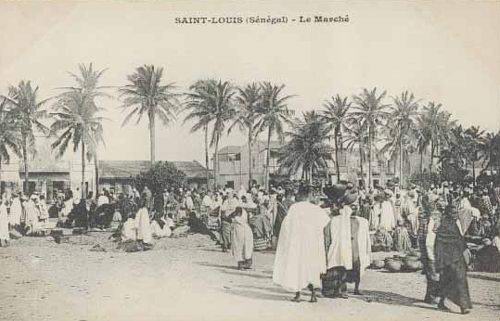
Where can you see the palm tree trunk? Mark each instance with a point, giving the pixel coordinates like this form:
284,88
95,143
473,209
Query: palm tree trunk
25,160
268,156
421,162
96,165
216,160
250,163
400,162
152,136
337,166
361,165
369,157
310,175
432,157
83,171
207,161
473,173
0,173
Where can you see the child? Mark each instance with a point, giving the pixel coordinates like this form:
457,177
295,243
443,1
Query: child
129,230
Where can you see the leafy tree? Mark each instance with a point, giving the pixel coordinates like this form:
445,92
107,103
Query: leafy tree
357,137
160,176
211,102
474,139
248,101
24,103
401,129
272,115
146,95
371,112
307,148
335,113
10,140
76,118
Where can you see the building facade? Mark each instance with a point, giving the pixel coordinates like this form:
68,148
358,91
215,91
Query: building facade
234,162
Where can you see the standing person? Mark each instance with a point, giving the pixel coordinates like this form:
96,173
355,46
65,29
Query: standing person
348,248
387,218
143,226
16,211
44,211
428,215
281,210
450,261
148,198
262,229
300,254
228,207
241,239
4,224
32,214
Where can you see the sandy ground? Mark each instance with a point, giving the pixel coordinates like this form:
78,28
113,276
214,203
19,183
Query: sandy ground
190,279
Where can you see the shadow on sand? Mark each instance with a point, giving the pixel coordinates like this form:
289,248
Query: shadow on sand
484,277
220,266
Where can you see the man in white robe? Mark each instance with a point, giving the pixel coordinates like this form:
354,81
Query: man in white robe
348,247
387,220
16,211
300,254
4,224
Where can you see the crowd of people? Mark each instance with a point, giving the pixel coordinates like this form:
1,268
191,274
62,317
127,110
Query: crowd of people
323,236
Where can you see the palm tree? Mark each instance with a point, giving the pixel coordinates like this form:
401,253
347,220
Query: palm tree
76,122
491,151
145,94
10,141
307,148
434,126
27,108
474,138
335,114
212,103
76,111
356,137
403,119
370,110
201,112
248,101
272,115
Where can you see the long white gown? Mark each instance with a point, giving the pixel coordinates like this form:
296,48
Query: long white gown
143,226
16,211
241,238
387,220
300,254
4,223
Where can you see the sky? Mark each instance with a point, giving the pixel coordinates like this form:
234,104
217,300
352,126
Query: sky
447,52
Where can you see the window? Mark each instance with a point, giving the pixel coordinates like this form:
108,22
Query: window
230,184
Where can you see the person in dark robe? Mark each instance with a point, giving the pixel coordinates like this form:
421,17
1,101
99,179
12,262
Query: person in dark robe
450,261
281,210
428,215
261,228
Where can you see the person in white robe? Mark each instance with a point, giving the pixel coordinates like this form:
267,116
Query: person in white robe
348,247
16,211
387,218
300,255
32,215
44,212
129,230
143,225
241,239
4,224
